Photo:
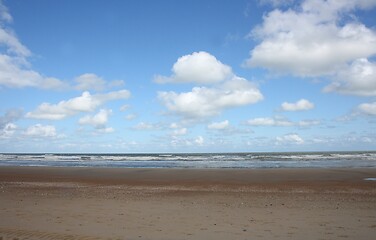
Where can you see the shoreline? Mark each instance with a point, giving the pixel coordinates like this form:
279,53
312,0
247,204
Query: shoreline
245,175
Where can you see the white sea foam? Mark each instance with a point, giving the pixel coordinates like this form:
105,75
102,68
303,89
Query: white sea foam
206,160
370,179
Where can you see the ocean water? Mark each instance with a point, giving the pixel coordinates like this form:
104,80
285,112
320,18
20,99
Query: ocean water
197,160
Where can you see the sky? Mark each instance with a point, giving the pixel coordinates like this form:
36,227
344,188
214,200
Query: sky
143,76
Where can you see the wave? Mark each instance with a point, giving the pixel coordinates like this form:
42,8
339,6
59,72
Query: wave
205,160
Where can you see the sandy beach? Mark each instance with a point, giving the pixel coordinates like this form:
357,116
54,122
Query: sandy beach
115,203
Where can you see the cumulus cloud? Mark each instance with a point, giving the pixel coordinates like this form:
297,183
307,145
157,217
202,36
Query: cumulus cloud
315,39
281,122
270,122
226,90
124,107
39,130
84,103
206,102
307,123
10,116
312,40
358,79
130,116
219,125
301,105
200,140
183,142
7,126
174,125
198,67
98,121
290,139
367,108
89,81
106,130
179,132
7,130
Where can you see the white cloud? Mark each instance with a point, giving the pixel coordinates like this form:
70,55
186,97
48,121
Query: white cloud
358,79
99,120
143,126
115,83
310,41
368,108
281,122
226,90
84,103
174,125
39,130
206,102
180,142
16,71
105,130
130,116
179,132
332,8
7,127
89,81
146,126
290,139
124,108
10,116
270,122
12,44
198,67
114,95
14,67
8,130
14,74
307,123
301,105
4,13
219,125
199,140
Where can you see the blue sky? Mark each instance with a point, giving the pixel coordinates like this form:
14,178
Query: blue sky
187,76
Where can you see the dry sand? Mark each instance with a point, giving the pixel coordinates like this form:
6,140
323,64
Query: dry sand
93,203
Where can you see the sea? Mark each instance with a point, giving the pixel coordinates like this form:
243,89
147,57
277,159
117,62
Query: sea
365,159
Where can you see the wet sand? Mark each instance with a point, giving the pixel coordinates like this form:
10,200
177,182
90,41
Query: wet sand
105,203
